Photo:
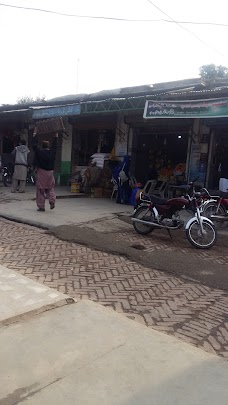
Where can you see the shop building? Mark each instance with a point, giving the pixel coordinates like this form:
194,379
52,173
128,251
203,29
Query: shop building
114,122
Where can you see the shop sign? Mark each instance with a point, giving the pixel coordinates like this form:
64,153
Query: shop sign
61,111
212,108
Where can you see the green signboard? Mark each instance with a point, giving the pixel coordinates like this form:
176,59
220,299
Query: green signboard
212,108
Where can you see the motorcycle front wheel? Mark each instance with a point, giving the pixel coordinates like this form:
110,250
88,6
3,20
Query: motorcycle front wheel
199,239
144,214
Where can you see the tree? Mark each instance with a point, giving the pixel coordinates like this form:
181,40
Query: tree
212,72
29,99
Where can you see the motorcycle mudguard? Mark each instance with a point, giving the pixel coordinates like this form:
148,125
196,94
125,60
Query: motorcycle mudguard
139,205
204,205
191,220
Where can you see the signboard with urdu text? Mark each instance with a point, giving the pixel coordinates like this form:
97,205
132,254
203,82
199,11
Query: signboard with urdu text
60,111
211,108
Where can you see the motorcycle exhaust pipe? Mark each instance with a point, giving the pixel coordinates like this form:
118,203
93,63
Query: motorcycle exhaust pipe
219,217
155,225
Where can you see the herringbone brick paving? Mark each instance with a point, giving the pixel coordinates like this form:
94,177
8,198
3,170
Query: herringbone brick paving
161,241
192,312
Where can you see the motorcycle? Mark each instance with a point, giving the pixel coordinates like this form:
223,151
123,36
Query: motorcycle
31,176
7,174
159,213
216,208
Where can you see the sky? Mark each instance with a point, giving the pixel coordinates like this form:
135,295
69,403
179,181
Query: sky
52,55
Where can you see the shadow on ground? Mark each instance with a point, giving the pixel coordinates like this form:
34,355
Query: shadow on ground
174,255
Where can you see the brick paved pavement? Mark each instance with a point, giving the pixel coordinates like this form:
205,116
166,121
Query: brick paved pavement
192,312
160,240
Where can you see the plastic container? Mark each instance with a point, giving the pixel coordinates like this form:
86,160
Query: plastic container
75,188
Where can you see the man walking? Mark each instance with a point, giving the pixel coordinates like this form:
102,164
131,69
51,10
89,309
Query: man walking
45,161
21,167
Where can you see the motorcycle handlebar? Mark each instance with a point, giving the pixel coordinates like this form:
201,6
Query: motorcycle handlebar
205,191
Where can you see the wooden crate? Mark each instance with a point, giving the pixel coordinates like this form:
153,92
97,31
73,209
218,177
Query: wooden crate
97,192
107,193
50,126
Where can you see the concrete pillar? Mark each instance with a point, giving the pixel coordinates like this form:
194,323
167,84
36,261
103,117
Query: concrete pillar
198,159
123,139
66,154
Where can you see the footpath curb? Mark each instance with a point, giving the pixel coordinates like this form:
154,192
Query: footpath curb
25,221
21,297
30,314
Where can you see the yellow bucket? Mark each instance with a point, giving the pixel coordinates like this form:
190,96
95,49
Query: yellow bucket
75,188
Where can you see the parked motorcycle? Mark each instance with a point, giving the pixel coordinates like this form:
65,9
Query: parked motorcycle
158,213
31,176
190,190
216,208
7,174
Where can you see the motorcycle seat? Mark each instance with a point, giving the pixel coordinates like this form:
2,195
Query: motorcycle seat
223,194
155,200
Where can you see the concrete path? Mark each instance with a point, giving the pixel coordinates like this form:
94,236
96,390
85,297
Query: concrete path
85,354
72,211
30,193
99,214
20,295
191,311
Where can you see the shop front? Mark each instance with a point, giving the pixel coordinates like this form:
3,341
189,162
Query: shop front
52,115
200,129
13,127
219,144
160,149
93,153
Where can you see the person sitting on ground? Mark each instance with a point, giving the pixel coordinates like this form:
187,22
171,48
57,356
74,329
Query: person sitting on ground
45,161
21,164
91,176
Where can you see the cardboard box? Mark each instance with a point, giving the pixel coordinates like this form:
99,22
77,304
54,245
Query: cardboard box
97,192
107,193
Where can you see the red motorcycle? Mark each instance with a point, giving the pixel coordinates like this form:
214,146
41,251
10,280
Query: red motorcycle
158,213
216,208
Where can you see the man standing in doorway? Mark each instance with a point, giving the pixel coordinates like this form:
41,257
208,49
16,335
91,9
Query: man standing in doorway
45,161
21,166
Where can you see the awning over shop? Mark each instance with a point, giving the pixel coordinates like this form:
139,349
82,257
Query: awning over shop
106,121
158,126
14,114
59,111
211,108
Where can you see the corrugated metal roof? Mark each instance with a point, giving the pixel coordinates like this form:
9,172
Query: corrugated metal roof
181,88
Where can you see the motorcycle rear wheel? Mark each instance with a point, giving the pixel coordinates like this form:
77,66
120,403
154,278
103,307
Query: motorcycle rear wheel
146,215
199,240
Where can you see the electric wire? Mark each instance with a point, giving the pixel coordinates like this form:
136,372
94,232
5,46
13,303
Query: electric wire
172,21
186,29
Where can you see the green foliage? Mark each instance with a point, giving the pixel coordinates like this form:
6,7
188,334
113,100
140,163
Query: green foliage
29,99
212,72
